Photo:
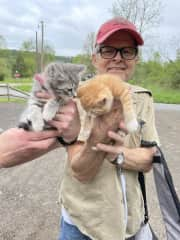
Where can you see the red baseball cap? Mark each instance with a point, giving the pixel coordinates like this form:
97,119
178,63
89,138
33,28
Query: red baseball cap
114,25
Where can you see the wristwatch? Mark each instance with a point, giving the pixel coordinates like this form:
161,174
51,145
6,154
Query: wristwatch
64,143
119,160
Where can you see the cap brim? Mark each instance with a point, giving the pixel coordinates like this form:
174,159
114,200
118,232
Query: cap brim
135,35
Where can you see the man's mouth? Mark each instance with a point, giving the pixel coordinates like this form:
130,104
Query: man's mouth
116,69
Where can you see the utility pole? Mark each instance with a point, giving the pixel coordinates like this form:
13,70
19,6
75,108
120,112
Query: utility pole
40,54
42,45
37,55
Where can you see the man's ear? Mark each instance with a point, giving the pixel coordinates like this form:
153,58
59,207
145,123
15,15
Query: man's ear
137,59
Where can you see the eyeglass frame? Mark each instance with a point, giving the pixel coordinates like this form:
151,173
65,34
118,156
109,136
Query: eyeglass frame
99,47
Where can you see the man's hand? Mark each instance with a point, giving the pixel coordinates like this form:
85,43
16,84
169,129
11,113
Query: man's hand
66,121
18,146
136,159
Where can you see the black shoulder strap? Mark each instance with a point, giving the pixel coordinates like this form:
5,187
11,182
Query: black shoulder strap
137,89
142,182
143,189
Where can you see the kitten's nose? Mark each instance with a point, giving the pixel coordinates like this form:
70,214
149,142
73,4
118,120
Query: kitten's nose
70,90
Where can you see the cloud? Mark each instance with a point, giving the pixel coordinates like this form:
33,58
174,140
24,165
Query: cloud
67,22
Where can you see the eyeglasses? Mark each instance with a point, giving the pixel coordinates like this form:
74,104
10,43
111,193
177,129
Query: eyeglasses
127,53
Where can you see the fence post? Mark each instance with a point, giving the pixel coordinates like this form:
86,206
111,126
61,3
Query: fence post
8,92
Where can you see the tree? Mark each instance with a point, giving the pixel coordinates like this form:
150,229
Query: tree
4,70
88,51
178,54
89,43
145,14
86,60
28,45
2,42
19,65
49,54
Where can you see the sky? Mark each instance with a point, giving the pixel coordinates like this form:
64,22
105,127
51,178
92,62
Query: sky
68,22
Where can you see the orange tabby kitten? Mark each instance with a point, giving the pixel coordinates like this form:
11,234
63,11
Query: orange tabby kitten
97,94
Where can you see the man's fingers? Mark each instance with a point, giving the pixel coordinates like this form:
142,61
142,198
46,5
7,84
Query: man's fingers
43,95
62,117
122,127
37,136
118,137
108,148
47,144
58,125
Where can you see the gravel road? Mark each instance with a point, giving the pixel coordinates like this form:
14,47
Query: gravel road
29,193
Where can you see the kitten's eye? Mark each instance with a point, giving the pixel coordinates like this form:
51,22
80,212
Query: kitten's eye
102,102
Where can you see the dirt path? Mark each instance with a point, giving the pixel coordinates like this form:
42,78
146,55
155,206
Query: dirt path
29,193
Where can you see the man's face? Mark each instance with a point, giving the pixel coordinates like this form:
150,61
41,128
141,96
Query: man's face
117,65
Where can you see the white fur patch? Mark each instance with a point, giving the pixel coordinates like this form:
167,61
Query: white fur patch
132,125
36,119
50,110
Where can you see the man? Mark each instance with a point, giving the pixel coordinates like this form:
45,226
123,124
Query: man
93,204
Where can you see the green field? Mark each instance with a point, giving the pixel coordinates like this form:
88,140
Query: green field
17,80
165,95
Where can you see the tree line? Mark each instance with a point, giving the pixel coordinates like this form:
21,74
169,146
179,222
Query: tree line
23,62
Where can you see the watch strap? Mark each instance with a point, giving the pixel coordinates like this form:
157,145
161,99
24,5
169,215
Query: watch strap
64,143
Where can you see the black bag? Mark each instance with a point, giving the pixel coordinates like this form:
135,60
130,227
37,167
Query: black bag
167,196
145,232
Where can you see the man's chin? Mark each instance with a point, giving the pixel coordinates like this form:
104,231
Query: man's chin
118,72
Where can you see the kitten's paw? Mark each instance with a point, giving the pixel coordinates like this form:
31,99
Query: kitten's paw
132,125
37,122
38,125
48,116
50,110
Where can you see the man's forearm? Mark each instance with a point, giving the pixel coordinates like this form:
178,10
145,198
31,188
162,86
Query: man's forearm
138,159
85,162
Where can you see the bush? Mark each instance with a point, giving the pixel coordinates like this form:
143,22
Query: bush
2,76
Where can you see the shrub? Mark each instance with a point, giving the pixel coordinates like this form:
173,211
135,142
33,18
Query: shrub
2,76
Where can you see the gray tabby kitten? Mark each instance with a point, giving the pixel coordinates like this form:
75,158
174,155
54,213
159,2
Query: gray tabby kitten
61,81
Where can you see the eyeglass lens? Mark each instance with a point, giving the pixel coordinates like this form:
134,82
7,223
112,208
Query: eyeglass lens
125,52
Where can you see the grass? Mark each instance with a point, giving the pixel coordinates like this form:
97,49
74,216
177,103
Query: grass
163,94
16,100
17,80
24,88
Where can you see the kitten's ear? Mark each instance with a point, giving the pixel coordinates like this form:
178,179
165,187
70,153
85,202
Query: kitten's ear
50,69
80,68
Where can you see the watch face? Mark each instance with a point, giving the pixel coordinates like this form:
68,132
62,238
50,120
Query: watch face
120,159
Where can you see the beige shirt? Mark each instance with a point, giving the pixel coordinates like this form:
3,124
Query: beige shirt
97,207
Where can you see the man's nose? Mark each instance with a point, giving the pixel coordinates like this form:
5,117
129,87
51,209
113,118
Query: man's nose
118,56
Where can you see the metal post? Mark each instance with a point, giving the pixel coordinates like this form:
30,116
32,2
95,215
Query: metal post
8,92
42,45
37,55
